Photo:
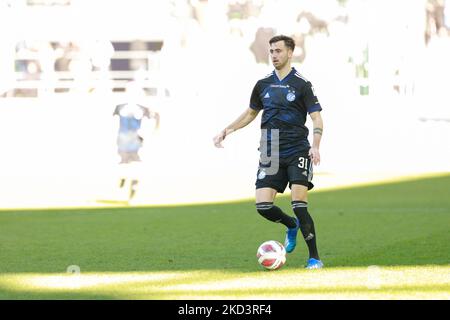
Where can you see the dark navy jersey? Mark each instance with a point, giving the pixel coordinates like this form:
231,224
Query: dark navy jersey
285,105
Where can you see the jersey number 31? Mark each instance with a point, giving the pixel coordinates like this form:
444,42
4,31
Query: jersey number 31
303,163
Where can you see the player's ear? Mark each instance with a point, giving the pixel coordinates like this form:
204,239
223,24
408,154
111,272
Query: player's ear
290,53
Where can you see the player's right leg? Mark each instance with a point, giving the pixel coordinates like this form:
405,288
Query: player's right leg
265,207
267,187
300,179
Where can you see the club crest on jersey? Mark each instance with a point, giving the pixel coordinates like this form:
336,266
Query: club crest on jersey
290,96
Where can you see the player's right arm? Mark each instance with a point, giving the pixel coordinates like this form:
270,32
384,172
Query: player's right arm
244,119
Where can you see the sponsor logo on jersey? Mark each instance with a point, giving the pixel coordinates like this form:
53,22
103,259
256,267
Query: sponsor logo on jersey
279,86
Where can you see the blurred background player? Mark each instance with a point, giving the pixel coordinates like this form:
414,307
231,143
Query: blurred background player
130,137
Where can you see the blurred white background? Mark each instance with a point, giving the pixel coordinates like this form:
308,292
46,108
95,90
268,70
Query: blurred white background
379,68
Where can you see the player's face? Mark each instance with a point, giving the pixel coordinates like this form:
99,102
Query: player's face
280,54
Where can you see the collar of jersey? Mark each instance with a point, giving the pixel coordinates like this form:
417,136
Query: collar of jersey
285,78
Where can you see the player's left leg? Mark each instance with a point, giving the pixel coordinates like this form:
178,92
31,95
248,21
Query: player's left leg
300,207
300,172
135,170
122,168
133,188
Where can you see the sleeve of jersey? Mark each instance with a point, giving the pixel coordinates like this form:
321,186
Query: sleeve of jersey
255,101
310,99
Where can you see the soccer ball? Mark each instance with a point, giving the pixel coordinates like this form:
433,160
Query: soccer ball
271,255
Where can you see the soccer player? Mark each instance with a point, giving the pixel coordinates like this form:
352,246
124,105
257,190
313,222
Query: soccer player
286,98
129,138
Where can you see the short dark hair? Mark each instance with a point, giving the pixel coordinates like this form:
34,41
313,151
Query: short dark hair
288,41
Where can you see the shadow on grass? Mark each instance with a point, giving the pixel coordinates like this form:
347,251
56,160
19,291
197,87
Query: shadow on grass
402,223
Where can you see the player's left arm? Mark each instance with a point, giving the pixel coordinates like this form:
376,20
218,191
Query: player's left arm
152,115
317,137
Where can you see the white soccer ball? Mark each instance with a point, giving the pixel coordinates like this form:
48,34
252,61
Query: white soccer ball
271,255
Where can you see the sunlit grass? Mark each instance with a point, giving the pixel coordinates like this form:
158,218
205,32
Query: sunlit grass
208,251
332,182
424,282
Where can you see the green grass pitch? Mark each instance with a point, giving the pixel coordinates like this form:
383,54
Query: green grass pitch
384,241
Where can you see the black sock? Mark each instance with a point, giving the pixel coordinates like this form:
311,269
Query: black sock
306,226
275,214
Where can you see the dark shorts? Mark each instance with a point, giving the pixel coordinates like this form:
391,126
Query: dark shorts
296,169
